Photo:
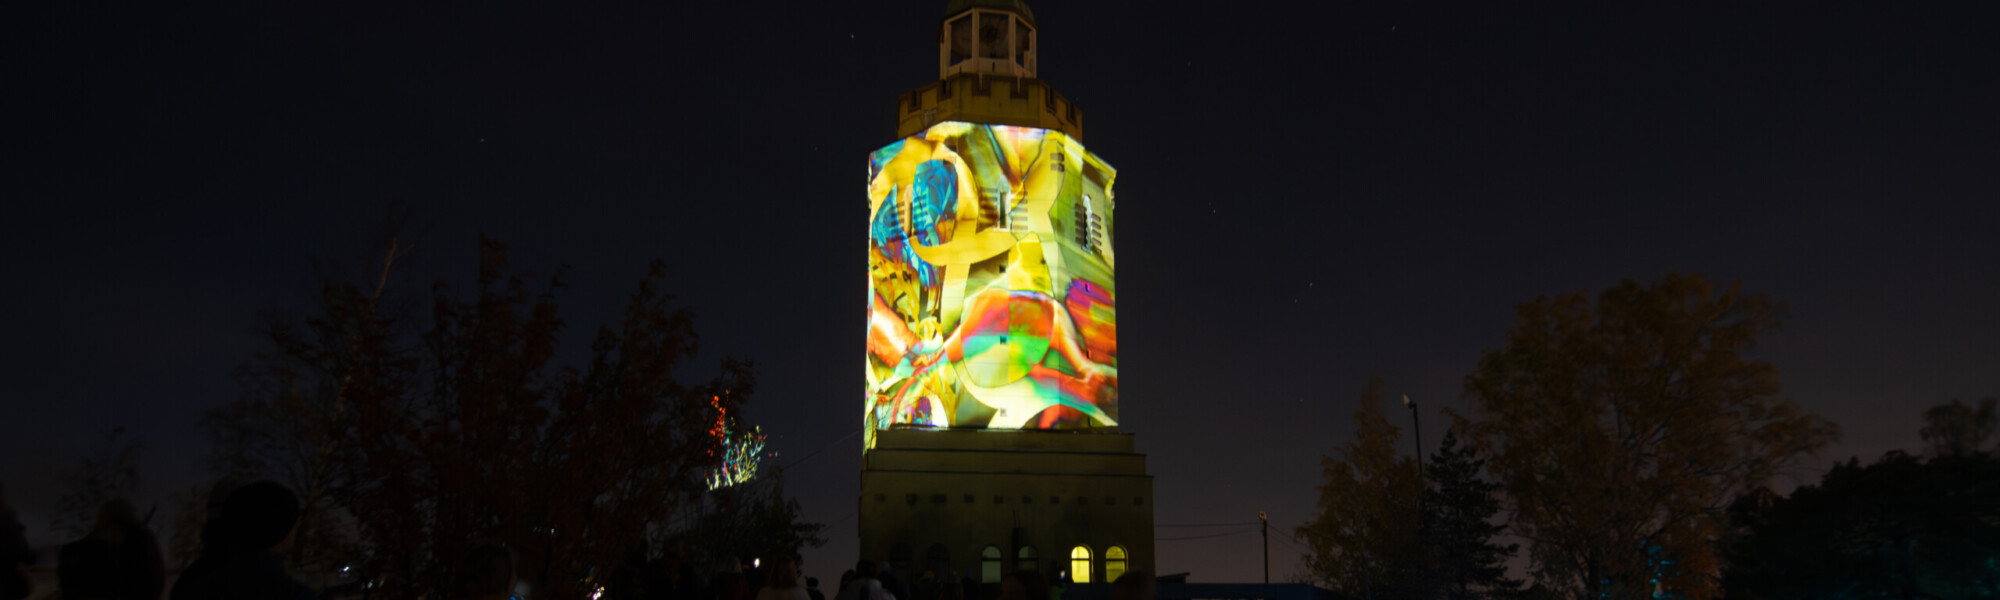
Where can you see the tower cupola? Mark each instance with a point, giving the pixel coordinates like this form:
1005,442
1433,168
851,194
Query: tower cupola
987,54
988,37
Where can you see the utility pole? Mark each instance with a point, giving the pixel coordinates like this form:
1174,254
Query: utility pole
1267,545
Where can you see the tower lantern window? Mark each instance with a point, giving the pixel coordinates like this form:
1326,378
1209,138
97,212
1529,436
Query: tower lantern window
1024,42
994,31
961,39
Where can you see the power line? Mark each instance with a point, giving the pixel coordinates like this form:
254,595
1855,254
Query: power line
1203,537
807,457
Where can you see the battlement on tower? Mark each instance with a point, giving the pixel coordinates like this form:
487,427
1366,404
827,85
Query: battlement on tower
990,99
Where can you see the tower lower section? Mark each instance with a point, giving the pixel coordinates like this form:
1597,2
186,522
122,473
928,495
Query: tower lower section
983,503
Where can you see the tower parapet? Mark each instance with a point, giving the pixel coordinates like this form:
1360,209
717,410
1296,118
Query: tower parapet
976,98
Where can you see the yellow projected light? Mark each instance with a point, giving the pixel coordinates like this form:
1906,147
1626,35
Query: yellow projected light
990,295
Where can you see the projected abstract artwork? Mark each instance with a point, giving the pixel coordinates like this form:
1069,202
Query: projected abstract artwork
990,294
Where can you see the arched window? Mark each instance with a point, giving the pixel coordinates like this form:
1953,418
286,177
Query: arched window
989,565
900,559
1079,564
938,560
1024,559
1114,563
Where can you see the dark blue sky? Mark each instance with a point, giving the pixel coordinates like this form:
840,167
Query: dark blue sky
1309,195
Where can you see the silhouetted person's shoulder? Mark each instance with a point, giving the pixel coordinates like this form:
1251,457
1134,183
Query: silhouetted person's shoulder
236,562
237,575
14,552
141,551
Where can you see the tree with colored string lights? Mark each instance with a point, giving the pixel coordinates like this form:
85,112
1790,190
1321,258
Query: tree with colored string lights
446,433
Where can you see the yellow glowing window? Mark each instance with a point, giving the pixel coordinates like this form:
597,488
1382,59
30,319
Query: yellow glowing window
1079,564
1114,563
989,565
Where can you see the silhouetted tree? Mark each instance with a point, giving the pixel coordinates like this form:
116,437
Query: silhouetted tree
1958,429
111,472
1622,429
189,517
294,421
1900,528
440,437
1365,540
754,520
1459,510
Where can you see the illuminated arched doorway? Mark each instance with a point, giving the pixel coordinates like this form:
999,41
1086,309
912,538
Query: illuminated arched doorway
1079,564
989,565
1114,563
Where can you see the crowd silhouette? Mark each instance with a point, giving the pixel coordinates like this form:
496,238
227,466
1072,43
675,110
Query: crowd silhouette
248,527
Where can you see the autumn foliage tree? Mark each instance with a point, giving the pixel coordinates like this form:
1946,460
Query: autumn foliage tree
1365,540
1622,428
1379,533
440,434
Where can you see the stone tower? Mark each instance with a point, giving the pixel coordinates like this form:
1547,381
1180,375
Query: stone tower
991,412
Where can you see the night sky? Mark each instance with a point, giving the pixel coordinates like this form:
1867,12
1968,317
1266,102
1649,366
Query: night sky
1309,196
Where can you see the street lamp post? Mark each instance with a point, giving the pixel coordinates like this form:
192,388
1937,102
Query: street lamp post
1417,426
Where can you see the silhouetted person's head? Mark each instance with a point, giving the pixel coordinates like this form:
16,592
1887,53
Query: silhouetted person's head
488,572
812,582
784,574
1133,585
1024,585
112,519
865,569
257,516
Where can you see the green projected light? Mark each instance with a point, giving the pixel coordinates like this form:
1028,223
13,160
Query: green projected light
990,295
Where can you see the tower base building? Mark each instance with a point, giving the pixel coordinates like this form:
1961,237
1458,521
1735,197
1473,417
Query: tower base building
983,503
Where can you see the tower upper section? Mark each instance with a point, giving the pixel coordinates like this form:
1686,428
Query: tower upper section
988,52
991,37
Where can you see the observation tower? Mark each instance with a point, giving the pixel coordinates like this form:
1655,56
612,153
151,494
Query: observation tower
990,439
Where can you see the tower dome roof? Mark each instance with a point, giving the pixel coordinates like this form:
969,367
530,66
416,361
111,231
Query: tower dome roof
953,7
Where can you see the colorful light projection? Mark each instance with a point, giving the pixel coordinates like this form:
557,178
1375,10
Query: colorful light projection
990,294
741,455
738,452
